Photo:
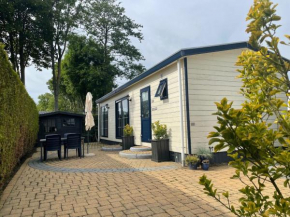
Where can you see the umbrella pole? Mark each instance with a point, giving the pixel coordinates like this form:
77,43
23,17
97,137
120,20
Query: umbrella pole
88,142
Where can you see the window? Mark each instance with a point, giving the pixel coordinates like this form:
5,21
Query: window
104,121
162,90
68,122
122,116
145,111
49,125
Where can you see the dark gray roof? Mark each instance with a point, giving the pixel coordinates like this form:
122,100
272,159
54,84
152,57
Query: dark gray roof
49,113
174,57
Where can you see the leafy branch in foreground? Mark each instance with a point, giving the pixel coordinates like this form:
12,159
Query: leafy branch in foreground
257,136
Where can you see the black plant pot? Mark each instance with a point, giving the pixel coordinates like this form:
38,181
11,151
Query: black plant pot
127,142
160,150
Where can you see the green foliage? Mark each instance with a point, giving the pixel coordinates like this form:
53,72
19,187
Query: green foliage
84,70
107,23
99,58
23,34
159,131
46,103
257,135
128,130
19,119
65,16
192,159
204,152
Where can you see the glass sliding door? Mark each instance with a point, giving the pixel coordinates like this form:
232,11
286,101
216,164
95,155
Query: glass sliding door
122,116
104,122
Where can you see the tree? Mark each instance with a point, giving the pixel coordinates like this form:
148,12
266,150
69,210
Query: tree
64,17
46,103
84,70
257,136
22,32
107,23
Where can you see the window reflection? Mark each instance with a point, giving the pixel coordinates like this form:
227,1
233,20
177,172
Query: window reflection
144,105
122,116
104,121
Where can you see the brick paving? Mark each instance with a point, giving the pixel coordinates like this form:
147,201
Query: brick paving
173,191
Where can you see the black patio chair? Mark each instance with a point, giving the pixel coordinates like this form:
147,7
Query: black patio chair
53,143
73,141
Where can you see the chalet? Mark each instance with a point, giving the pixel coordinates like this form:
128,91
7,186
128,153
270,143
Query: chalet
180,92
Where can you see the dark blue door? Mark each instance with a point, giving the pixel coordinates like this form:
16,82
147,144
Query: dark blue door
145,114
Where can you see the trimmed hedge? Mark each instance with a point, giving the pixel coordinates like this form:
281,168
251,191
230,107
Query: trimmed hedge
18,119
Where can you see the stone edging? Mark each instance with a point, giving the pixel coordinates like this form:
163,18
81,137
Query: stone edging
112,148
36,164
135,156
136,149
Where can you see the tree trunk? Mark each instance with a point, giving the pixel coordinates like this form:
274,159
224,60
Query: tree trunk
21,56
22,70
56,100
57,84
53,76
12,52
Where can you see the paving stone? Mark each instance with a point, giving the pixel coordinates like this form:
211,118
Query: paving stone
108,185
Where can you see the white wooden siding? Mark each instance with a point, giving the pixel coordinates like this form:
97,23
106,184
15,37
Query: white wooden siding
167,112
211,77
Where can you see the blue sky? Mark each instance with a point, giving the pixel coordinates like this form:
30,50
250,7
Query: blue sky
170,25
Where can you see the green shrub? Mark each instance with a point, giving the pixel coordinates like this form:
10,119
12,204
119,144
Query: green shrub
204,153
128,130
192,159
159,131
19,119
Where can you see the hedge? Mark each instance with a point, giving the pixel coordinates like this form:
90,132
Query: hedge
18,119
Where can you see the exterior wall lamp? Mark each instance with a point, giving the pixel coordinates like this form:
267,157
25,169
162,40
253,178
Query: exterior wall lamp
107,106
129,98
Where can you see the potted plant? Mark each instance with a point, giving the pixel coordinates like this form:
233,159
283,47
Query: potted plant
128,138
192,161
204,155
205,164
160,143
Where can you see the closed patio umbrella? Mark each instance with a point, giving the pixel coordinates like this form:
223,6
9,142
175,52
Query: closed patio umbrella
89,121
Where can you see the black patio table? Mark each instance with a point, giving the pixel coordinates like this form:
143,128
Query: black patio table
62,141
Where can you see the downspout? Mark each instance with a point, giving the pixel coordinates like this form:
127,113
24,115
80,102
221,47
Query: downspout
181,111
187,106
99,116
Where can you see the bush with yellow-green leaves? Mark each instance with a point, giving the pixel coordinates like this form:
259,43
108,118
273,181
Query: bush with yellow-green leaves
257,134
18,119
159,130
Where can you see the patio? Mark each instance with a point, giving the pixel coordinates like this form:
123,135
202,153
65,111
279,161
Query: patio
108,185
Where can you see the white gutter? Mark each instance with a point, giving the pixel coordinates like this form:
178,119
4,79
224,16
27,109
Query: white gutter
181,111
99,116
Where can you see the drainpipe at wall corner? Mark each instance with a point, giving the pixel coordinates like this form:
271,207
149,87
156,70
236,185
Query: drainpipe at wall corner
99,115
181,111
